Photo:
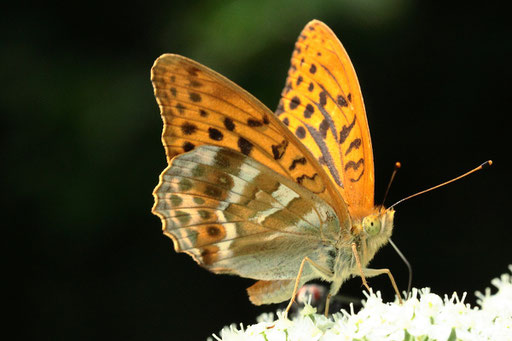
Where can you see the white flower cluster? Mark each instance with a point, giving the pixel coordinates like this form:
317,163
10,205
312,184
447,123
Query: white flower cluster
423,316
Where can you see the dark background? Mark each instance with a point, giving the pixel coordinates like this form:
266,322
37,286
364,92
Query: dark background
81,152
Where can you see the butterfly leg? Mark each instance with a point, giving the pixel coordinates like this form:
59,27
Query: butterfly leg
358,262
319,268
376,272
327,302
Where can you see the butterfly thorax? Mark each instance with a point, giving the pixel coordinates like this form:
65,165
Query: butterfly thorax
369,233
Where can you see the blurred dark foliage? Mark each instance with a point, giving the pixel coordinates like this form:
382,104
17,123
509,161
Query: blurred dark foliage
81,152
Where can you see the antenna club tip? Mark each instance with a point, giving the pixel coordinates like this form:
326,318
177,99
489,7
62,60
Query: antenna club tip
487,164
398,165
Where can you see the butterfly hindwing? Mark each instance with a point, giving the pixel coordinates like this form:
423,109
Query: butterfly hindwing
323,105
235,215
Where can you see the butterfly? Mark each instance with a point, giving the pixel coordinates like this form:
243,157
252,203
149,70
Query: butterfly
282,197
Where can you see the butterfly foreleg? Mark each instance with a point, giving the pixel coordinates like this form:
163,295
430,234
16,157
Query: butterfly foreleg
375,272
359,266
363,244
324,271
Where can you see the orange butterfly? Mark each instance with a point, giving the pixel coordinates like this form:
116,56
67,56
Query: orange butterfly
282,198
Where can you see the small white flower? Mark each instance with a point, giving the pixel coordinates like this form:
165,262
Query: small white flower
499,303
423,314
265,317
308,310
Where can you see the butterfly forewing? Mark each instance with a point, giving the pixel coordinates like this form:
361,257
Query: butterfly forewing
199,106
322,105
235,215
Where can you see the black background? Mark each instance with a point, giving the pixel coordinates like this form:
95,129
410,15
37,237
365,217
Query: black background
81,152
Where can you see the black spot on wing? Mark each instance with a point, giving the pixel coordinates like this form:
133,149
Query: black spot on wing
301,161
181,108
194,83
193,71
342,101
229,124
188,128
278,150
354,165
354,145
188,146
194,97
323,98
309,110
294,103
301,178
345,131
324,126
300,132
215,134
245,146
254,123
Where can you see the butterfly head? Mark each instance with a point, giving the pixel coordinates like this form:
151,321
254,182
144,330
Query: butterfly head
379,223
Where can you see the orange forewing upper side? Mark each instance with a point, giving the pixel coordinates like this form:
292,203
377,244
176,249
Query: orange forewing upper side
323,106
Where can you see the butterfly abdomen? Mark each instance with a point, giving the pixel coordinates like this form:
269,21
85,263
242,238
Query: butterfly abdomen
267,292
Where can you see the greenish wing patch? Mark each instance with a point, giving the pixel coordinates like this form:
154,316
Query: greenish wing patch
224,209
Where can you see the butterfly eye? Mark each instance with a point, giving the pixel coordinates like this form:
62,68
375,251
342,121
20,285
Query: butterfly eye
371,225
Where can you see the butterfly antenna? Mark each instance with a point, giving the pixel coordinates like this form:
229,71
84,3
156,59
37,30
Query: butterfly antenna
482,166
409,267
395,170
